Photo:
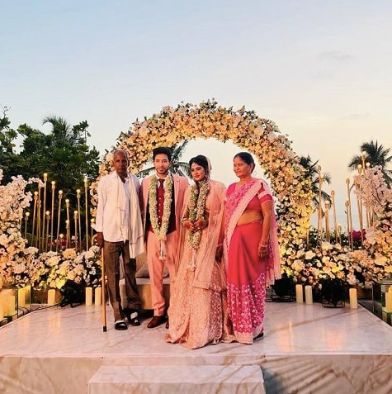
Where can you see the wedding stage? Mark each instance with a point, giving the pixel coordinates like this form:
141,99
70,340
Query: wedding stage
306,348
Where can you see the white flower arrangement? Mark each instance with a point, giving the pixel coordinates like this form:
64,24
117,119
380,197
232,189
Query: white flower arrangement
15,256
58,267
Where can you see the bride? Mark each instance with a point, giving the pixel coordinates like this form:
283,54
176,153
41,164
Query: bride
197,312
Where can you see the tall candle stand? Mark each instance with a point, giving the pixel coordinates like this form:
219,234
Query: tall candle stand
320,214
34,218
349,212
43,214
327,229
38,235
76,221
52,215
27,214
86,209
46,243
79,220
335,222
69,222
68,237
60,196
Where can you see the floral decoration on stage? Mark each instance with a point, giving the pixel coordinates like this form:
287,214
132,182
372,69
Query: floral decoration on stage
259,136
376,255
15,255
308,260
371,262
58,267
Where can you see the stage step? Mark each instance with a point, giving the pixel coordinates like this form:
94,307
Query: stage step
203,379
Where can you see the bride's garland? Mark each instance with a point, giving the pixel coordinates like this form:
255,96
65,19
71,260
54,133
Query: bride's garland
160,231
197,210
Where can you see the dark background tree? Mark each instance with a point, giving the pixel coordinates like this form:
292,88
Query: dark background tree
63,153
312,173
376,155
7,145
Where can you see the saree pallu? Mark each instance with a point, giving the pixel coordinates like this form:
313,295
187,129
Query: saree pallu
247,274
246,288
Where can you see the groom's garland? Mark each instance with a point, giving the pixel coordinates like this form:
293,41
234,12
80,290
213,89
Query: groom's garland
197,210
160,231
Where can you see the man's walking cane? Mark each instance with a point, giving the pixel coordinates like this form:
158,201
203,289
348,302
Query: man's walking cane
103,282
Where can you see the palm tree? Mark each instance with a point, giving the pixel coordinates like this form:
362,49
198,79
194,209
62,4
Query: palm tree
312,173
376,155
177,166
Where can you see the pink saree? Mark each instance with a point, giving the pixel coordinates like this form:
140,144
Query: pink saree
247,274
198,306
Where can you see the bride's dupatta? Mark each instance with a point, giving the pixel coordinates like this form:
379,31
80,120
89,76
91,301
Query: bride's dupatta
236,204
202,260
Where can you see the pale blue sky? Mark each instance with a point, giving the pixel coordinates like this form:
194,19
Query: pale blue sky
320,70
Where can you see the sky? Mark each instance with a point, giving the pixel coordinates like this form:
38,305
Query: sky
320,70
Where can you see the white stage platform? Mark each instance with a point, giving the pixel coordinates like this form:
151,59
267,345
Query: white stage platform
306,349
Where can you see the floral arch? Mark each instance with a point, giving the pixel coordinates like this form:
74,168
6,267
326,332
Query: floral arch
259,136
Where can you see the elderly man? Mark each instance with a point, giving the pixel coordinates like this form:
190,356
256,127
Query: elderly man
120,233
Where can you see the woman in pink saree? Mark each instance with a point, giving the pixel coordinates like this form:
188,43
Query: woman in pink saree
251,249
197,312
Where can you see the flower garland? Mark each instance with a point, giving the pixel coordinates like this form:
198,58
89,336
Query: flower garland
160,230
197,210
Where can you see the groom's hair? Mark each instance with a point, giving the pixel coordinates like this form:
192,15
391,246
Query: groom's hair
162,151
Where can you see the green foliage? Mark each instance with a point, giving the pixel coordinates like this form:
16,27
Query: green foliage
376,155
63,153
7,145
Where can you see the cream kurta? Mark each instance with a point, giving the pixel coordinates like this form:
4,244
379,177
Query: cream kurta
113,214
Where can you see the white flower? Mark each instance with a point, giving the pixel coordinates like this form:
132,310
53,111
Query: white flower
19,268
380,260
309,255
3,240
89,254
53,261
69,253
326,246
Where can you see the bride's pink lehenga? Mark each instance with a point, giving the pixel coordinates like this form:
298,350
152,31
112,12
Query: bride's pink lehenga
198,310
247,274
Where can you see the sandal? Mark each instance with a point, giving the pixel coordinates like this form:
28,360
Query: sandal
132,316
257,337
120,325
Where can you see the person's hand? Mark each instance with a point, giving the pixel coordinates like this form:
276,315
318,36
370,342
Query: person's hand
188,224
219,253
99,239
263,250
200,224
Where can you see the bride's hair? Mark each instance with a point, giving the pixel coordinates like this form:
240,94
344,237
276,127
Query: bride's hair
201,160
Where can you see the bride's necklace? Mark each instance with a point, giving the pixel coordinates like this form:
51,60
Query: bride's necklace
197,210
